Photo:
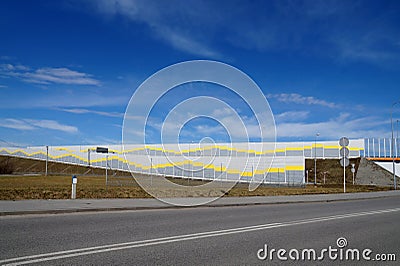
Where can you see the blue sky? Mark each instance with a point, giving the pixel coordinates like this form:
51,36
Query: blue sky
69,68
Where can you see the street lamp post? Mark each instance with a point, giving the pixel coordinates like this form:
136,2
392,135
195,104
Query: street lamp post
397,138
315,159
391,122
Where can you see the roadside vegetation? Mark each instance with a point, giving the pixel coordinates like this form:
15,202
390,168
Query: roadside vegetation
16,187
29,182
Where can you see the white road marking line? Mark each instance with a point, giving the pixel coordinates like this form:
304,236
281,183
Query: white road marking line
157,241
130,243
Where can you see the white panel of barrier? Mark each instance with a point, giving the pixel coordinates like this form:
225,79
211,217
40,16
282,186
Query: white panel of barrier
233,160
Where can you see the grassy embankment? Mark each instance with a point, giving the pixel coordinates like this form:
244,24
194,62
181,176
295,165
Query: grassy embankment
91,183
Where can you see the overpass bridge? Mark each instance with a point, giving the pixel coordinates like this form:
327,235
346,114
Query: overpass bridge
382,151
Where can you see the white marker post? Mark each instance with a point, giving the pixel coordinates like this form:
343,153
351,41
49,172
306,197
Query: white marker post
353,170
74,182
307,176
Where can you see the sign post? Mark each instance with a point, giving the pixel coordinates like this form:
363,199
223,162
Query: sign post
344,161
104,150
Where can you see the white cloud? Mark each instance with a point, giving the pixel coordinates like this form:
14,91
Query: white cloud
238,126
34,124
87,111
78,99
51,124
48,75
334,128
366,48
309,26
300,99
16,124
168,21
292,116
10,67
289,126
185,43
60,75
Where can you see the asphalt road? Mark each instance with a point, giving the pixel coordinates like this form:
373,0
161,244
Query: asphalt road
205,236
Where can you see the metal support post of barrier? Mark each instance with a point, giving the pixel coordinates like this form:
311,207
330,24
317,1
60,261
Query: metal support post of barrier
47,158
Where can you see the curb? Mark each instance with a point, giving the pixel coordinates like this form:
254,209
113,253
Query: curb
216,205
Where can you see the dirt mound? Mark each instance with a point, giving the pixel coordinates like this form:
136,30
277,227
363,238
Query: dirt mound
332,170
18,165
369,173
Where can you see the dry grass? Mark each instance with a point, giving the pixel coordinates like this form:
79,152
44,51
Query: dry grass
59,187
91,183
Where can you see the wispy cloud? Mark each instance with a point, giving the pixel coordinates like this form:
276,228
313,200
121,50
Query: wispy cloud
48,75
185,43
300,99
34,124
10,67
16,124
367,47
71,99
291,116
218,124
168,21
334,128
87,111
3,86
315,27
